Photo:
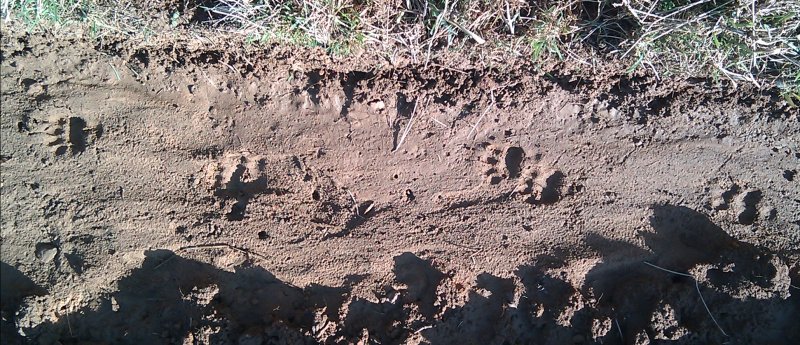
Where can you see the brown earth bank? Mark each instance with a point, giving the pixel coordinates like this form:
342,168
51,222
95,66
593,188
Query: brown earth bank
184,194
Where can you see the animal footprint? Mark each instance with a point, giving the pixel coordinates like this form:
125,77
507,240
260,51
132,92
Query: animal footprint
743,203
68,134
241,177
247,175
535,183
502,164
539,185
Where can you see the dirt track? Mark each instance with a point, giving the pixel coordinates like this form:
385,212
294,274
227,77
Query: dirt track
182,196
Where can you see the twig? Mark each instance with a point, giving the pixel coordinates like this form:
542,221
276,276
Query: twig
352,197
482,115
134,72
164,262
408,127
439,122
478,39
69,325
670,271
116,74
479,121
223,245
697,286
422,329
355,202
509,19
619,329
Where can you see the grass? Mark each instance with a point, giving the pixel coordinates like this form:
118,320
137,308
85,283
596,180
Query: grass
753,42
548,28
331,24
34,12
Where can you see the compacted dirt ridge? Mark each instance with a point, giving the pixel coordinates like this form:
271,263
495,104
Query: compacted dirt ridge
182,196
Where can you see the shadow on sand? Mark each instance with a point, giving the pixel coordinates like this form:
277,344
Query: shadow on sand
175,300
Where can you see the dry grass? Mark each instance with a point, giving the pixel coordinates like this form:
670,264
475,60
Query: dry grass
744,41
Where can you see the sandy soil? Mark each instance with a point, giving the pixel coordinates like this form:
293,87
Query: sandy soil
191,196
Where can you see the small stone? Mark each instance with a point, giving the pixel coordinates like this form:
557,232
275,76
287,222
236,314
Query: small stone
378,105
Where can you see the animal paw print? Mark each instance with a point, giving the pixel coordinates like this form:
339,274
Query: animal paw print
539,185
535,183
241,179
742,202
501,164
240,175
71,134
238,178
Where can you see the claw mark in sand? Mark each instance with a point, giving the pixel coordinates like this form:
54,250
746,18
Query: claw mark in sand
64,134
240,177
